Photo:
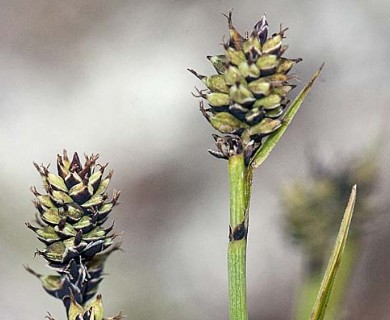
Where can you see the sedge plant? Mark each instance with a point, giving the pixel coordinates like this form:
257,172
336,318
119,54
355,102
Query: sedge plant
247,103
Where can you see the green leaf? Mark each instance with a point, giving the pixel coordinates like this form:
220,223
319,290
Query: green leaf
319,308
273,139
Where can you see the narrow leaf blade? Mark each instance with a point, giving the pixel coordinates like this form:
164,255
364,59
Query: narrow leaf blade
319,308
273,139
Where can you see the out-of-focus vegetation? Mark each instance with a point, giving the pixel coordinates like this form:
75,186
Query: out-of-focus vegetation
314,209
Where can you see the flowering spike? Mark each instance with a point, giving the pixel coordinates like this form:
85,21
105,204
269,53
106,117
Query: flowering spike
248,95
70,218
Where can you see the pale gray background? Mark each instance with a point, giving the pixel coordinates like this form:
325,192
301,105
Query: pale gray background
110,77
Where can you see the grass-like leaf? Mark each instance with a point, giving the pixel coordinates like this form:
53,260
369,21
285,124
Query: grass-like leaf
319,308
273,139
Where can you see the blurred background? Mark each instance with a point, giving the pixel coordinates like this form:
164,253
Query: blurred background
110,77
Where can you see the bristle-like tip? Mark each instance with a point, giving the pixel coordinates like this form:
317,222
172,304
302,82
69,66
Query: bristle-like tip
49,317
236,39
199,76
217,154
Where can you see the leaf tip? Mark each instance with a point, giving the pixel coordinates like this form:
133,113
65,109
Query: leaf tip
353,193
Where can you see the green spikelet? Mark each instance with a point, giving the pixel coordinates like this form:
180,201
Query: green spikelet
247,96
70,218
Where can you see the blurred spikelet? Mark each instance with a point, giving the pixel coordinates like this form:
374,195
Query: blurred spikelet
314,207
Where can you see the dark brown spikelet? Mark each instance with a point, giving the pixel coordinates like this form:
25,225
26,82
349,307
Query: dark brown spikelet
70,217
248,95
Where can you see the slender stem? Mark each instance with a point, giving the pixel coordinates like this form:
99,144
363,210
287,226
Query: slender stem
237,280
239,203
237,189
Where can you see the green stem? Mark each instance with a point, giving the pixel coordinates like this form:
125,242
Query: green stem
239,180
